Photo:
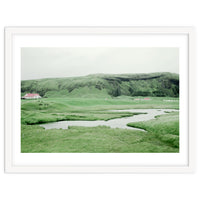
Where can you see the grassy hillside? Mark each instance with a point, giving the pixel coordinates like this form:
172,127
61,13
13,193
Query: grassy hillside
106,86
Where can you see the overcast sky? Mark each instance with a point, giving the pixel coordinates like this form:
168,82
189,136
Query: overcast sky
39,63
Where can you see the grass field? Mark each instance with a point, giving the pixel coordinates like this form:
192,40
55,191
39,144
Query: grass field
162,133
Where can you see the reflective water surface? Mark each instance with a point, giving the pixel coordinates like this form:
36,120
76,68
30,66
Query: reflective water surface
113,123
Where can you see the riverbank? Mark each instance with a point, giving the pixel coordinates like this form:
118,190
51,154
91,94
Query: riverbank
138,115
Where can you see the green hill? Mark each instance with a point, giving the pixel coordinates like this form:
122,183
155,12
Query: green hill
105,85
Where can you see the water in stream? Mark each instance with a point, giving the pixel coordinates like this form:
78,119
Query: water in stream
113,123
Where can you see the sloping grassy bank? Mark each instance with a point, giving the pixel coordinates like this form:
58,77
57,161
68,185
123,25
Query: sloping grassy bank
164,128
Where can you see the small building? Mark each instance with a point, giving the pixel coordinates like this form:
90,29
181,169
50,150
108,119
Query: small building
31,96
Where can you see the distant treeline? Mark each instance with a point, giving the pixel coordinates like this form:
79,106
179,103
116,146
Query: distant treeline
102,85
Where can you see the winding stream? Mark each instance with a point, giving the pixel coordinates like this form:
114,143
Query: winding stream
113,123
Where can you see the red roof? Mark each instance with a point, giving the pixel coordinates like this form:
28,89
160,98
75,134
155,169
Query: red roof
31,95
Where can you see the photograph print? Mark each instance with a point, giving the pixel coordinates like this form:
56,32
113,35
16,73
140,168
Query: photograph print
99,100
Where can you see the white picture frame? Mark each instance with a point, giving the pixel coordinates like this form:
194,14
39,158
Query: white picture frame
10,95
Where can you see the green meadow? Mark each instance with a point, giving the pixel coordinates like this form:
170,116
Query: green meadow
162,133
93,97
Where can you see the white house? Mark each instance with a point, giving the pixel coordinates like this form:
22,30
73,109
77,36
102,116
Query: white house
31,96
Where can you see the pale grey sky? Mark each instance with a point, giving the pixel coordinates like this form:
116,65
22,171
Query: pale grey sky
53,62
